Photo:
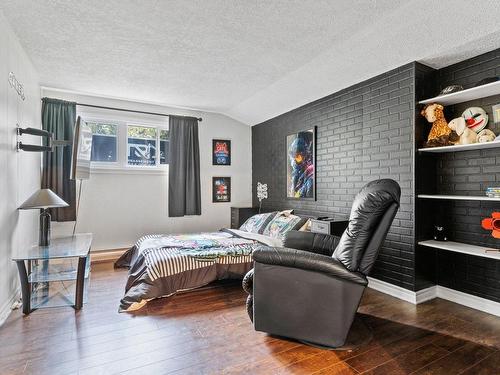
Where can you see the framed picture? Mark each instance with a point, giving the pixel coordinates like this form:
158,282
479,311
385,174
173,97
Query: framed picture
496,113
221,189
221,152
301,164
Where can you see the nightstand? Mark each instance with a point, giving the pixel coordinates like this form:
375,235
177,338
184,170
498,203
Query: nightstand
240,214
329,226
55,275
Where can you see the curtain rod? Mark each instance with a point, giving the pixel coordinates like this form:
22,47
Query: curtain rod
131,110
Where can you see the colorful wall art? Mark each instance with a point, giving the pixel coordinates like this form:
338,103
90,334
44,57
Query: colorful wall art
221,189
221,152
300,164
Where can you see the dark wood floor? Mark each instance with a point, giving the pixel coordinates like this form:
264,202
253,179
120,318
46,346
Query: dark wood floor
207,332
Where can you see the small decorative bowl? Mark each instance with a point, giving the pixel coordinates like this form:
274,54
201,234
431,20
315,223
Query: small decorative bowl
451,89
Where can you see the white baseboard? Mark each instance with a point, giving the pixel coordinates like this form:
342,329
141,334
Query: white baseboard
6,308
392,290
437,291
426,294
106,255
474,302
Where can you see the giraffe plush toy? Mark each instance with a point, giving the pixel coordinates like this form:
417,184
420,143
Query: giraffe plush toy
440,134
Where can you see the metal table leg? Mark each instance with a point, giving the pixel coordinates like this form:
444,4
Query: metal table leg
25,286
80,280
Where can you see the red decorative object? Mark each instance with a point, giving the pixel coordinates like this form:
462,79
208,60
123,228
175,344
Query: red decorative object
492,223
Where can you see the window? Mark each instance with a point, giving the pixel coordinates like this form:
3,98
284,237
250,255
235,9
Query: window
164,146
128,142
141,145
104,142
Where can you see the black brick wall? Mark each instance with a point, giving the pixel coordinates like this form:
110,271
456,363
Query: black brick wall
364,132
370,131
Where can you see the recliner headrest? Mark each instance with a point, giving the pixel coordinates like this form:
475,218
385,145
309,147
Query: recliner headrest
368,208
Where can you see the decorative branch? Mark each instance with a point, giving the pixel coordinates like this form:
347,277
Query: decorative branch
261,193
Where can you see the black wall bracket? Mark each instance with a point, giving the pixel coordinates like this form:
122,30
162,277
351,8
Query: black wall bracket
51,143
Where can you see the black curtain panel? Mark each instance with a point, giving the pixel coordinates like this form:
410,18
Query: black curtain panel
184,191
58,117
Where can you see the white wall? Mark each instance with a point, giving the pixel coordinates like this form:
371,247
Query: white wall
118,207
19,171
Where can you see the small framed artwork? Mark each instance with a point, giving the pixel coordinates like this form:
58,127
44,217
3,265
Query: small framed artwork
496,113
221,152
221,189
301,164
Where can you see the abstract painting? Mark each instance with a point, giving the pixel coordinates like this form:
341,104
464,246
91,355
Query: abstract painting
300,164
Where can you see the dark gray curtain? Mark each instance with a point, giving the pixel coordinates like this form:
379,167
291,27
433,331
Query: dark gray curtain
184,192
58,117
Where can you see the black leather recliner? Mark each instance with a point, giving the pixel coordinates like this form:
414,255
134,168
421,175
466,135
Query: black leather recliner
310,289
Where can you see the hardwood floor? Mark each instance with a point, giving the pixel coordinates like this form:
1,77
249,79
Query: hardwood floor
207,331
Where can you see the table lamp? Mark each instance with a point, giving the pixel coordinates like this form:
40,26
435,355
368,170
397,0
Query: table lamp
43,199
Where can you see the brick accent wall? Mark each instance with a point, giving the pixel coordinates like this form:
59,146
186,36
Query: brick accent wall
364,132
370,131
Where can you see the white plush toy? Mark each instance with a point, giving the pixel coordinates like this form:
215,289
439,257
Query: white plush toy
466,135
485,135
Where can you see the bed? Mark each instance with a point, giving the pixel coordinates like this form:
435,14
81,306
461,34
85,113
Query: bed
161,265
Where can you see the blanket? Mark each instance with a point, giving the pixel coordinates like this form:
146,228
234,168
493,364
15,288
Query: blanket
161,265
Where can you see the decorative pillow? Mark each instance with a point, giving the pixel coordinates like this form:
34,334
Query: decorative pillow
282,224
257,223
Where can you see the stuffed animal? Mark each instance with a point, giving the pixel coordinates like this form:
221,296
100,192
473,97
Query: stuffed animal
485,135
476,118
467,136
440,132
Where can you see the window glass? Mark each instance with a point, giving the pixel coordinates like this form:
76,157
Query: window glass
141,145
104,142
164,146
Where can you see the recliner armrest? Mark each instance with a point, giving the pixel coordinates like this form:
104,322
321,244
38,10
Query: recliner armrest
282,256
324,244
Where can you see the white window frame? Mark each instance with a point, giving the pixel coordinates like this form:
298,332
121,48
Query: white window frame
122,121
106,164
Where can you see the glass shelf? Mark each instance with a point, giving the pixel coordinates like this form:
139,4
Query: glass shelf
64,247
48,271
56,293
49,274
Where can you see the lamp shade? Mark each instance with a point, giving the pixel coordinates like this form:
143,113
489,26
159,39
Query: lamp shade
43,198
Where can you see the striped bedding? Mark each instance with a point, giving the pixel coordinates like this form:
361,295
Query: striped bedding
161,265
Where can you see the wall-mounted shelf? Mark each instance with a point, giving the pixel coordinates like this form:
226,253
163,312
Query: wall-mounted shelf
465,95
473,146
458,247
458,197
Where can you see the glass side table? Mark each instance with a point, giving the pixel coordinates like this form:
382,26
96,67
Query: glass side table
55,275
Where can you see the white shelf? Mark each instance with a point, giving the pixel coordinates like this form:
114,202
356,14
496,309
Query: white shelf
458,197
473,146
458,247
465,95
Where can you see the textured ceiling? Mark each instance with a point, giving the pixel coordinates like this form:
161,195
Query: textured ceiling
251,60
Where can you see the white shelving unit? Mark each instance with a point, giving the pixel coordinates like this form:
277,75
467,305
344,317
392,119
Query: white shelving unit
458,197
479,92
473,146
458,247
